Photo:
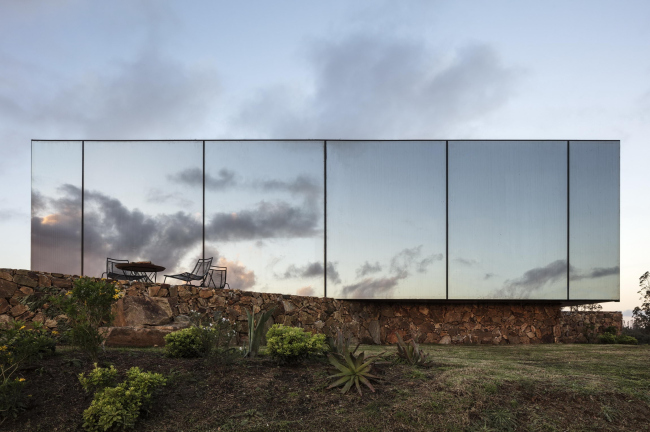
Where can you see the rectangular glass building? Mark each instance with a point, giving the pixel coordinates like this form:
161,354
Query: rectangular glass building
456,220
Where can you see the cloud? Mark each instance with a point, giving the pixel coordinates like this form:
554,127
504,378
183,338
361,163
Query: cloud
194,177
372,287
533,280
277,219
368,268
158,196
303,185
466,262
401,266
307,291
238,276
373,86
596,272
312,270
9,214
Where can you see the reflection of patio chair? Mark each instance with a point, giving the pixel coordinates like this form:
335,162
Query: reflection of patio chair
217,277
114,273
200,272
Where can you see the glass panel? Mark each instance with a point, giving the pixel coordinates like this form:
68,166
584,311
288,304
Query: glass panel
507,220
386,219
264,214
594,220
143,202
56,206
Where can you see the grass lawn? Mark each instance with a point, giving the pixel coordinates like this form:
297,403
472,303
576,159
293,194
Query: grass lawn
469,388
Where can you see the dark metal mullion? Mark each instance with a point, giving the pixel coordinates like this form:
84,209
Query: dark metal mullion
325,218
203,224
568,218
83,187
447,220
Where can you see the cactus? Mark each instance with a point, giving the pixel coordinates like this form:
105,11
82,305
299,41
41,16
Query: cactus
255,331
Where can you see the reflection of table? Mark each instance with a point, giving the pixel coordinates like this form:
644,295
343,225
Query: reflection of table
146,270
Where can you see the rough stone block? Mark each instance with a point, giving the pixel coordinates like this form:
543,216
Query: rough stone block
7,288
136,311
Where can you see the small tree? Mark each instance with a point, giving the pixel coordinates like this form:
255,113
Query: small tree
593,307
641,315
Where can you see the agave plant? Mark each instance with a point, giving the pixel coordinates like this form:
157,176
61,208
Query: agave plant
354,369
255,331
411,354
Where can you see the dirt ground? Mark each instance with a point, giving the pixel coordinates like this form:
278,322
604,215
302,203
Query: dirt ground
456,394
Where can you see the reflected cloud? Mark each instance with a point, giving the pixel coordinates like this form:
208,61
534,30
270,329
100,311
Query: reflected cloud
372,287
311,270
194,177
466,262
368,268
533,280
307,291
158,196
239,277
596,272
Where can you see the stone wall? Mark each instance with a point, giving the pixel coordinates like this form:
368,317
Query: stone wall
371,321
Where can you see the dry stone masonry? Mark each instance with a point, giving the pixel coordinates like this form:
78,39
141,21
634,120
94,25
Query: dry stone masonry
149,311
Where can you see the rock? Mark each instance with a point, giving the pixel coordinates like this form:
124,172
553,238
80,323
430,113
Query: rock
135,311
375,331
154,290
445,340
7,288
205,293
27,290
61,283
137,336
288,306
50,323
24,280
18,310
4,305
6,276
5,320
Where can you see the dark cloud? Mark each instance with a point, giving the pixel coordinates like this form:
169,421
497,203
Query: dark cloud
466,262
194,177
312,270
488,276
303,185
372,287
596,272
159,196
533,280
401,266
368,268
267,220
370,86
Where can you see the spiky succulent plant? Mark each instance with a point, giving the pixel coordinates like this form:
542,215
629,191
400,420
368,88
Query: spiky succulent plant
411,354
354,369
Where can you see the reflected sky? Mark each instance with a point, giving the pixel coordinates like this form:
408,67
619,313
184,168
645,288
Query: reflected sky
386,218
594,231
507,219
386,215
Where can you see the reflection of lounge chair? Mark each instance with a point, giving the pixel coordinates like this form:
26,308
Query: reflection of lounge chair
200,272
217,277
114,273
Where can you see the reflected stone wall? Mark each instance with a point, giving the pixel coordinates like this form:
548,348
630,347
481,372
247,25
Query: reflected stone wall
381,220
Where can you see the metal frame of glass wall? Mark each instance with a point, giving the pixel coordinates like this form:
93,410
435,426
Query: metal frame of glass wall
447,220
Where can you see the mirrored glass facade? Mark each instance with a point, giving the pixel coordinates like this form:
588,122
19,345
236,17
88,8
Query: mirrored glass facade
143,202
56,206
508,220
594,220
430,220
386,210
264,207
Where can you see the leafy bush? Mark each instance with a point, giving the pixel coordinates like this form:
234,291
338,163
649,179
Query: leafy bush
185,343
609,338
256,330
290,344
119,407
641,315
88,307
19,345
208,337
98,378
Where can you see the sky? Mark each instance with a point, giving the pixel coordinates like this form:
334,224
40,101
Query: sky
329,70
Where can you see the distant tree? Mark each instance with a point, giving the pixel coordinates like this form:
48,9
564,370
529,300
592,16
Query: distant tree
641,315
594,307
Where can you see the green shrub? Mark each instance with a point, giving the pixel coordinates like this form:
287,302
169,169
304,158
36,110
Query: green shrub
209,336
626,340
289,344
611,329
607,338
88,307
98,378
185,343
19,346
119,407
